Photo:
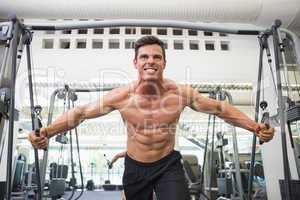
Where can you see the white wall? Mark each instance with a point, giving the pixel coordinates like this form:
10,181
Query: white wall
238,65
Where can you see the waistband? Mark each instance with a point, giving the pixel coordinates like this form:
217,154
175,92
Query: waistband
172,155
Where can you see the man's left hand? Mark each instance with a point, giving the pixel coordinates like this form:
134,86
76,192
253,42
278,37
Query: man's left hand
264,132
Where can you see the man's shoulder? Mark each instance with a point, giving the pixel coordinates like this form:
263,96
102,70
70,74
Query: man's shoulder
122,90
171,84
182,89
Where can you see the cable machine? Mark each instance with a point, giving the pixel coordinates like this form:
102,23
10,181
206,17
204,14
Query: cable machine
13,31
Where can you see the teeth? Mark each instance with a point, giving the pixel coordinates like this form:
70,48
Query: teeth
150,70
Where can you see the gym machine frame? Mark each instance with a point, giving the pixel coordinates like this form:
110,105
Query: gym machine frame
18,36
13,31
278,48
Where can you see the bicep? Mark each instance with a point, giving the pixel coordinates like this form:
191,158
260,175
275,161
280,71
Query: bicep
96,109
106,103
204,104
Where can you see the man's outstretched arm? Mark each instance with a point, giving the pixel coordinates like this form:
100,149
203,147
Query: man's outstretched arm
73,118
228,113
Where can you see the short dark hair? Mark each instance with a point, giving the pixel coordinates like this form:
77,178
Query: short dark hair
148,40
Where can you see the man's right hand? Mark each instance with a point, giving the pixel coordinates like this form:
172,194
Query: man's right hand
110,165
41,141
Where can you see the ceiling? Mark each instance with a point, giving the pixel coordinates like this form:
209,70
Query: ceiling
254,12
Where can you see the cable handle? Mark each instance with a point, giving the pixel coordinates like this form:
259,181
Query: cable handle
266,120
37,126
265,117
37,121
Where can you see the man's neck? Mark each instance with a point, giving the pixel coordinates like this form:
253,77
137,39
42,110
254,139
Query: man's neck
150,88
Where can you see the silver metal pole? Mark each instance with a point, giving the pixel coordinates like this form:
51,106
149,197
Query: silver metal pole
236,154
286,76
281,110
12,108
45,155
225,28
50,116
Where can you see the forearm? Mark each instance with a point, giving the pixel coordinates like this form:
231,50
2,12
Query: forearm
119,155
233,116
67,121
122,154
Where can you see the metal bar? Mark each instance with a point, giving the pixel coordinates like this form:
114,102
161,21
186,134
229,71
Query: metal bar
45,155
71,152
3,133
258,89
286,76
3,83
281,111
108,88
36,155
235,154
145,23
12,109
212,157
93,89
4,63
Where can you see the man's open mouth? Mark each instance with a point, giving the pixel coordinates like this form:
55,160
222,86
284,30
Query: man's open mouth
150,69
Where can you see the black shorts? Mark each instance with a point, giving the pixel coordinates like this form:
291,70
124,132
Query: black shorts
165,177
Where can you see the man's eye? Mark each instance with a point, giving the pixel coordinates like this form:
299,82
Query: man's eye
144,57
157,57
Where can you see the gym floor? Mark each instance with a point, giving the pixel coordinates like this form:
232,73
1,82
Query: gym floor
95,195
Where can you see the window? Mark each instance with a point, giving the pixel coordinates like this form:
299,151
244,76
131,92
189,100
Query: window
66,32
98,31
224,46
64,44
161,31
178,44
223,34
82,31
81,44
129,31
97,44
177,31
129,44
114,31
165,43
193,32
194,45
47,44
113,44
208,33
209,45
146,31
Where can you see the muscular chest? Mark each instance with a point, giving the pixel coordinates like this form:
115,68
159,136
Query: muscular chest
153,111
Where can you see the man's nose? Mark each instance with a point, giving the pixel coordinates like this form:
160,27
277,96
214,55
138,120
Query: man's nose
150,59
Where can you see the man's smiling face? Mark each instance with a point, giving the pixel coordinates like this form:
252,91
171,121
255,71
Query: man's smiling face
150,62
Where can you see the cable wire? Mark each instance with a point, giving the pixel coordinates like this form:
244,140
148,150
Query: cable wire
79,160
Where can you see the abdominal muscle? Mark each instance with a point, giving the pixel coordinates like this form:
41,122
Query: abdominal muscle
149,145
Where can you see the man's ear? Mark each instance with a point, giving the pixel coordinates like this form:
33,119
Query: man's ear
165,64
